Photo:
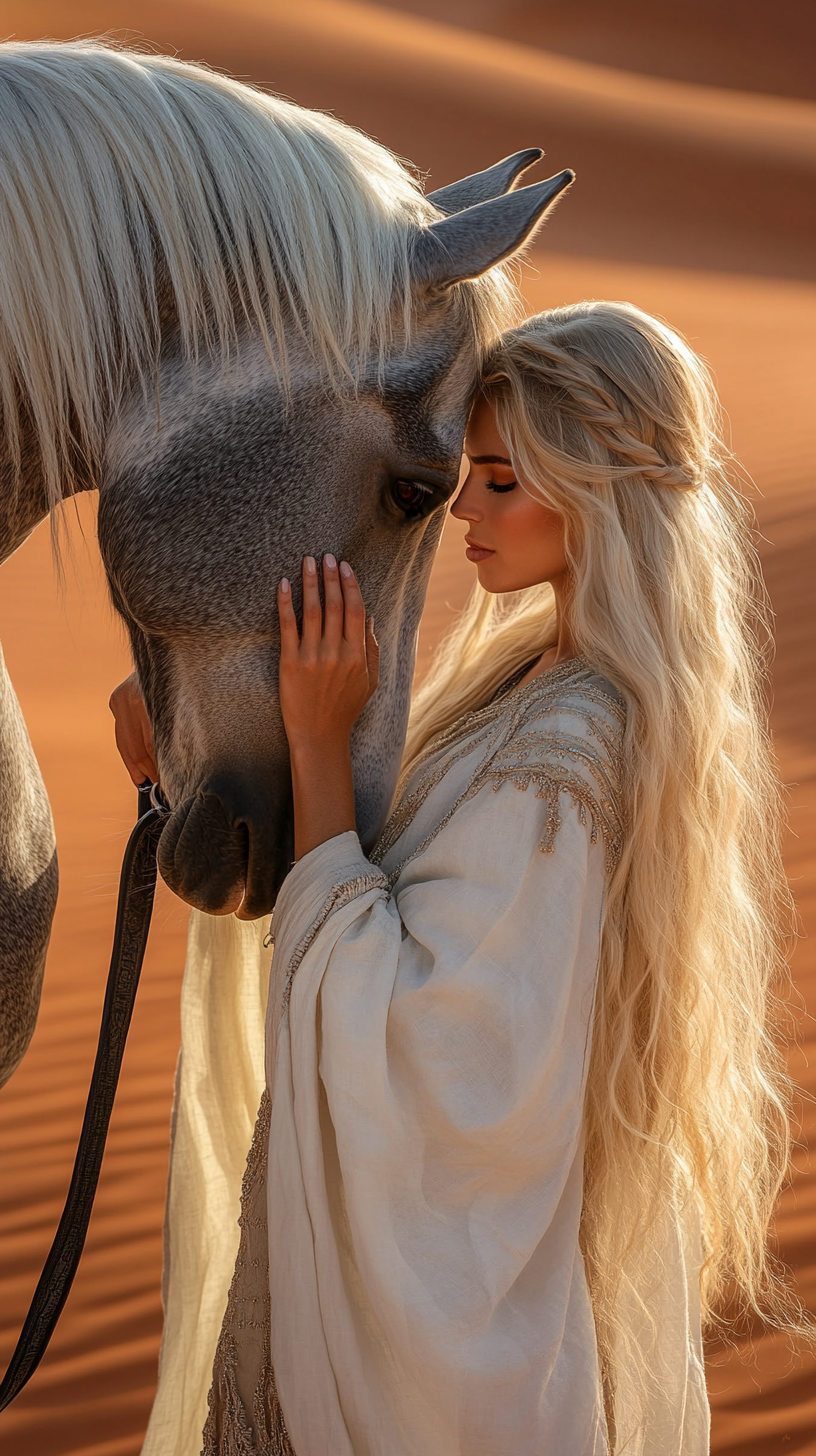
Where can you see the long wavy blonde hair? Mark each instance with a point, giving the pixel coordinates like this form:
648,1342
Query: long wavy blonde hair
612,420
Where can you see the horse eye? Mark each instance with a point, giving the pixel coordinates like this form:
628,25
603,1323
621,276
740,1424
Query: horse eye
411,496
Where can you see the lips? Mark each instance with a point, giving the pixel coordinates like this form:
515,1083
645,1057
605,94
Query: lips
474,552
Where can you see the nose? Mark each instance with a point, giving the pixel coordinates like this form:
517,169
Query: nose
464,508
229,846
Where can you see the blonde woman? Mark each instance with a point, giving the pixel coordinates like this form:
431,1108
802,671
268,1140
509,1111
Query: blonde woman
525,1120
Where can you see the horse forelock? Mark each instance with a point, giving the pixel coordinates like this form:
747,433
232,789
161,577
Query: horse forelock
137,188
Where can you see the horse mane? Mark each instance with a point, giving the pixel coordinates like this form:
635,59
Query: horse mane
132,180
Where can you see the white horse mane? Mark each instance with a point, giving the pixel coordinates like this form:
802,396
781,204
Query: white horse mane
115,159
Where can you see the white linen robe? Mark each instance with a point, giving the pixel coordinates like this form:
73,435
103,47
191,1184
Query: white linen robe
409,1281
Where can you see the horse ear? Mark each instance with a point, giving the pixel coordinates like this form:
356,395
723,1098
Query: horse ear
493,182
468,243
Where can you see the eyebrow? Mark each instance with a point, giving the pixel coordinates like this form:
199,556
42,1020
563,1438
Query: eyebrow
489,460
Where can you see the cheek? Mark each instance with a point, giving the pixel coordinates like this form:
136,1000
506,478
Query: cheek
531,527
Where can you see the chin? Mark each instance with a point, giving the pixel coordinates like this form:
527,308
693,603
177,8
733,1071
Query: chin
484,575
490,580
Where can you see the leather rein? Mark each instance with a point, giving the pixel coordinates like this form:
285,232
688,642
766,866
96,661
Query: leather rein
137,885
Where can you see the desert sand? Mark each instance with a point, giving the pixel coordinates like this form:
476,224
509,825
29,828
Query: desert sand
694,201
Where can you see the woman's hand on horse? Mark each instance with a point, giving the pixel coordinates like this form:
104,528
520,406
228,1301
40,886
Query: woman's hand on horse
134,737
328,670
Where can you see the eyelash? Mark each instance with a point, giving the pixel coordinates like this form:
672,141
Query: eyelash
499,489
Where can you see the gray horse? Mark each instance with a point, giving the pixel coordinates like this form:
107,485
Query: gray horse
245,325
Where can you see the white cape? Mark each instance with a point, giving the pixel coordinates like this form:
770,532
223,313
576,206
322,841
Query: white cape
409,1278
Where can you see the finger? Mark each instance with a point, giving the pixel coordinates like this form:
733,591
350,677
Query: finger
134,735
145,765
138,769
333,597
372,648
290,637
354,625
133,731
312,610
131,752
145,728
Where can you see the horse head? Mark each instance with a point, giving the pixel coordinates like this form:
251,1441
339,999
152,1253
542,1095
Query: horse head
282,338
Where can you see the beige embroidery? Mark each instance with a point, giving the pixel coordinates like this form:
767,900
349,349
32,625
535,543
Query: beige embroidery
515,746
553,762
245,1416
340,895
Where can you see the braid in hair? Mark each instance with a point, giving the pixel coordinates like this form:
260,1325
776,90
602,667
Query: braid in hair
565,383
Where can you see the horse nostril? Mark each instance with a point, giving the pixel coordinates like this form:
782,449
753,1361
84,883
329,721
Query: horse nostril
203,855
228,847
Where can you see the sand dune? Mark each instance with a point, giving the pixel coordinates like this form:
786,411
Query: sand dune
726,45
362,40
691,201
668,172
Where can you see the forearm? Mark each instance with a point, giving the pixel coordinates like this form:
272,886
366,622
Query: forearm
323,790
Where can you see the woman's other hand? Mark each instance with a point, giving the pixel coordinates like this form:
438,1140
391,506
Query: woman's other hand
134,737
327,675
329,671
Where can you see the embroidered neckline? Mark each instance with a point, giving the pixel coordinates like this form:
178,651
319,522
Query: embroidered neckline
512,684
515,748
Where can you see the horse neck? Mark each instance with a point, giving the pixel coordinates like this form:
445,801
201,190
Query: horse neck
24,502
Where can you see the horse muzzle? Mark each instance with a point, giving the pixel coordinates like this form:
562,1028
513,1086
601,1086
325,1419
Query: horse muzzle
229,846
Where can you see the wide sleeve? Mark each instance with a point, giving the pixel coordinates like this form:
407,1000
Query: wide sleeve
425,1177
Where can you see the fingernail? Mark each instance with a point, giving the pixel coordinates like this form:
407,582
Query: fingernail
311,565
345,569
284,586
329,561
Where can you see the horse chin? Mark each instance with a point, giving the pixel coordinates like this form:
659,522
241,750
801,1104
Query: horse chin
228,847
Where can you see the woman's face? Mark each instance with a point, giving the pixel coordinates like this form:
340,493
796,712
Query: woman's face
513,539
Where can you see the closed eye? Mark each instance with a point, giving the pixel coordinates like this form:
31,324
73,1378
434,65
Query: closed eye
500,489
